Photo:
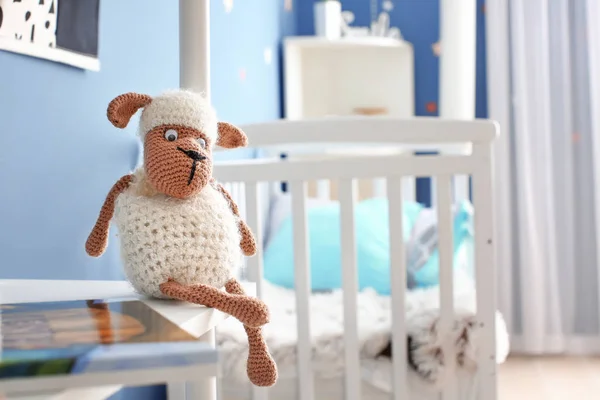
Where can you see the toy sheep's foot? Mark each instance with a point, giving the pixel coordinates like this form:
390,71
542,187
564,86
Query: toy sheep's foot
261,368
249,310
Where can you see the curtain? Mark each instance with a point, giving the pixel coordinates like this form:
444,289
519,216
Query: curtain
544,89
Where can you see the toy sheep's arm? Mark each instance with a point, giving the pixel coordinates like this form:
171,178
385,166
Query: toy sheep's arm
248,242
98,239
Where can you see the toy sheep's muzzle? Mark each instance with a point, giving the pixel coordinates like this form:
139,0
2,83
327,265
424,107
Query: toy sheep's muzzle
194,155
177,160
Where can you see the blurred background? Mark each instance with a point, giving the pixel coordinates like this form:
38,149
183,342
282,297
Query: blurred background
531,65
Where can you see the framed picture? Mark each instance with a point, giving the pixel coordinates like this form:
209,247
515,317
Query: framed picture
64,31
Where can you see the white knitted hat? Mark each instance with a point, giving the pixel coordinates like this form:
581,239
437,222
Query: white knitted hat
180,107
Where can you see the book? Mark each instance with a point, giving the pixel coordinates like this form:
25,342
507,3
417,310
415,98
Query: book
74,337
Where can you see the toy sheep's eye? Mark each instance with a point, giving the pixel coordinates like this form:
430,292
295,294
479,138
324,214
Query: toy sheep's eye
171,135
202,143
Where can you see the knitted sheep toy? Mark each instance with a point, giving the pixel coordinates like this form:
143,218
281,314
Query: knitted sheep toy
180,231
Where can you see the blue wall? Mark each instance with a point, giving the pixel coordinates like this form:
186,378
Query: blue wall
59,155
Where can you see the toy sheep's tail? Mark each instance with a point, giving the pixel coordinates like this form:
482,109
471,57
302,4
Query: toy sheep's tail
261,368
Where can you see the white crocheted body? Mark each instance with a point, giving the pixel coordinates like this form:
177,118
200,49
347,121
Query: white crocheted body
193,241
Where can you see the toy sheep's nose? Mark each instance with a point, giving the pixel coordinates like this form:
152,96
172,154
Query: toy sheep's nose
194,155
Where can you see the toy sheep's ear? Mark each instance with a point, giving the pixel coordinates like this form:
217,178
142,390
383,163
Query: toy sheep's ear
230,136
121,108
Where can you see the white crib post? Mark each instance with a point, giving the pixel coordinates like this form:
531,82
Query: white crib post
398,288
485,271
458,28
194,74
347,197
302,285
194,45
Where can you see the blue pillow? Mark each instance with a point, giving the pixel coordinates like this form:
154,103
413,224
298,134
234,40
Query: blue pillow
372,242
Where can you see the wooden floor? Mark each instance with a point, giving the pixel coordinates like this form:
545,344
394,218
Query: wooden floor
549,378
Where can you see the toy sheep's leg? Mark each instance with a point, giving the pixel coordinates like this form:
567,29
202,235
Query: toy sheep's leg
261,368
250,311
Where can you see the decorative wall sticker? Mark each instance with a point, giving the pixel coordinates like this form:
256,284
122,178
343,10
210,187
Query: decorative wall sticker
436,48
228,4
288,5
380,23
268,55
431,107
387,5
352,31
64,31
381,27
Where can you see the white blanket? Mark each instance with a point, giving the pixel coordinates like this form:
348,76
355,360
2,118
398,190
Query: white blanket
374,319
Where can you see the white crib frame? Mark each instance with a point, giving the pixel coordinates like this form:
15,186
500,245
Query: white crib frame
367,132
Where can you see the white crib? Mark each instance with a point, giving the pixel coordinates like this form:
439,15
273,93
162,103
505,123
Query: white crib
348,149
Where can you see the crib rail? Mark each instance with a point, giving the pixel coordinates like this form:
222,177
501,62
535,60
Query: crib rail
374,130
392,169
268,170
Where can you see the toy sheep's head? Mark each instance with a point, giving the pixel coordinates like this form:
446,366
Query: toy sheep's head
179,130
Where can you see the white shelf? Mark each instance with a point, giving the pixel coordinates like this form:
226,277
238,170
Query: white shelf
195,319
325,77
365,41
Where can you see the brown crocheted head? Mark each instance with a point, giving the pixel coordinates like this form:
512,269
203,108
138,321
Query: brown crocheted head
179,130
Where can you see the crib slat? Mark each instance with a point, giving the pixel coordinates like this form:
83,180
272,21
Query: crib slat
398,288
378,187
445,248
461,188
433,190
255,264
409,188
323,190
302,286
238,192
253,218
485,273
347,197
